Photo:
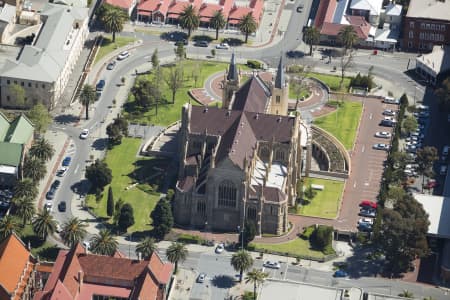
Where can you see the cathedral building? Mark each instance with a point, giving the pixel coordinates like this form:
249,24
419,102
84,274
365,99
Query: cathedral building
240,162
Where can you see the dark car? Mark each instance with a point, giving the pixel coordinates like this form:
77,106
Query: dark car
201,44
62,206
66,161
100,85
51,193
365,227
183,42
340,273
56,184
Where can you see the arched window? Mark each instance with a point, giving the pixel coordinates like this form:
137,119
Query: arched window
227,194
201,208
264,153
279,155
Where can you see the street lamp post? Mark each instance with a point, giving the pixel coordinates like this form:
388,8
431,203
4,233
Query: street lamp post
241,232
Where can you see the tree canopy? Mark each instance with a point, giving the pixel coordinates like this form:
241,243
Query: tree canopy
162,218
99,174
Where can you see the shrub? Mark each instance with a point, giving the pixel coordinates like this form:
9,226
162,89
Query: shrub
362,81
189,239
322,237
307,232
295,69
254,64
248,295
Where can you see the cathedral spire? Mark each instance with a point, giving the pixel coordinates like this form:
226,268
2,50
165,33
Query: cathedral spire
280,79
232,69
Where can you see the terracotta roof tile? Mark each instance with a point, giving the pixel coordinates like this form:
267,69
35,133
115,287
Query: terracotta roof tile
111,267
126,4
161,271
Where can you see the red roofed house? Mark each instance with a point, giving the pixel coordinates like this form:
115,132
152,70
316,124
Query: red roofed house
126,5
153,11
207,10
256,8
177,7
79,275
17,267
330,31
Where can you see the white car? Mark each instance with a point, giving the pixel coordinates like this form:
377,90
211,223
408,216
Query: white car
383,134
272,264
381,146
87,244
61,172
201,278
223,46
368,221
48,206
84,134
220,248
389,112
123,55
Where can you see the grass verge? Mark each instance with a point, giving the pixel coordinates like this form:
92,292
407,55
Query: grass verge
343,122
108,46
325,204
295,248
332,81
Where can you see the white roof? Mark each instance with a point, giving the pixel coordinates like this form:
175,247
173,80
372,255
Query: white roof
437,61
438,210
393,9
387,35
374,6
276,178
430,9
305,131
7,13
8,170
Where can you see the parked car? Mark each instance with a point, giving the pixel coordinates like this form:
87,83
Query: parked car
61,172
62,206
387,123
443,170
56,184
389,112
48,206
50,194
365,221
365,227
111,65
84,134
391,100
123,55
272,264
66,161
368,203
383,134
201,278
223,46
340,273
100,85
201,44
381,146
220,248
368,212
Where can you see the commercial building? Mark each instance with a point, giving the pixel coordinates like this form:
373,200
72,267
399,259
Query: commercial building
43,68
427,23
431,65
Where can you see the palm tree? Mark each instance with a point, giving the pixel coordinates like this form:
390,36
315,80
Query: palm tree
44,224
256,277
73,231
247,25
146,247
42,149
25,188
34,168
241,261
406,294
218,22
348,37
177,252
87,96
104,243
189,19
113,21
7,227
312,36
24,208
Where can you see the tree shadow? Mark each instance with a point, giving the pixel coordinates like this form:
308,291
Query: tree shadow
49,253
223,281
233,42
81,187
197,38
67,119
100,144
173,36
364,263
33,240
295,54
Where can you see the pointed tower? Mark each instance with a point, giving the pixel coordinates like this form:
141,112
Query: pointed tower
280,91
231,82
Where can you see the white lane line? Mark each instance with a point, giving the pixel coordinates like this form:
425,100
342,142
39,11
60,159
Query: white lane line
76,169
363,148
370,116
354,185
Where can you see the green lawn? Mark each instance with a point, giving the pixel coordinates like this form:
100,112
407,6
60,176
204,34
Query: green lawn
332,81
126,170
108,46
326,203
294,248
343,122
292,95
169,113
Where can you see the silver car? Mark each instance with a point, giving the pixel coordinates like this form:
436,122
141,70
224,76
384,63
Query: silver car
201,278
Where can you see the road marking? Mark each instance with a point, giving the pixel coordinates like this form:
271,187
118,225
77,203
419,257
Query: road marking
363,148
285,272
370,116
76,169
354,185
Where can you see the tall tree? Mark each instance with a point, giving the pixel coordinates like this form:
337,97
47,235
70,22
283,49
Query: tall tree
126,217
155,59
110,203
146,247
348,37
425,159
113,21
409,124
87,97
247,25
177,252
42,149
312,37
174,80
162,218
44,224
103,243
7,227
189,19
443,94
241,261
24,208
18,94
256,277
73,231
99,174
40,117
218,22
248,234
180,51
25,188
34,168
117,207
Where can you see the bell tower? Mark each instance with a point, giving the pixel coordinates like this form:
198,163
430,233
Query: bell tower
231,82
280,92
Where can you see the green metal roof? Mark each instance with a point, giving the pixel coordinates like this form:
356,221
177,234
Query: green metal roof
4,126
20,131
10,154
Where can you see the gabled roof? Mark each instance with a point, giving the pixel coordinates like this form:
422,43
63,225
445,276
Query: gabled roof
125,4
20,131
10,154
374,6
252,96
4,126
360,25
13,260
393,9
155,5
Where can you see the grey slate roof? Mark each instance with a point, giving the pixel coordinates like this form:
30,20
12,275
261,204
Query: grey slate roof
280,80
252,96
232,70
45,60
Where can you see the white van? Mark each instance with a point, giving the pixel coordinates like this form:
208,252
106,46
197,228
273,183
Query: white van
391,100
